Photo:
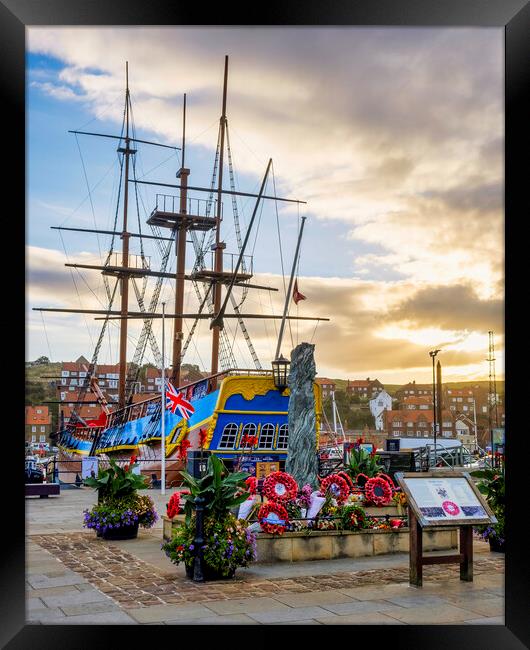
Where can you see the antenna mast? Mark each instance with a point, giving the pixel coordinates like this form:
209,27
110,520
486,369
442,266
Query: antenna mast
493,416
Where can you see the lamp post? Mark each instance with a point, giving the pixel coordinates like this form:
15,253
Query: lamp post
433,354
280,372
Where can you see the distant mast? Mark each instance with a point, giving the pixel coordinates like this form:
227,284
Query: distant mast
127,151
180,241
219,246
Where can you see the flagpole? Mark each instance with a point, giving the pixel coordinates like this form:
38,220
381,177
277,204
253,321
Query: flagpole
288,296
163,411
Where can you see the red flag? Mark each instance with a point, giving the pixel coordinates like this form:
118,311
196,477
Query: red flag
297,296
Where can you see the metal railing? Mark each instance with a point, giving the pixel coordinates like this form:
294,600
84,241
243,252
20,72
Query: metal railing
62,472
194,207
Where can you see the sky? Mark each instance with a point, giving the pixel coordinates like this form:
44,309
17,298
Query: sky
394,138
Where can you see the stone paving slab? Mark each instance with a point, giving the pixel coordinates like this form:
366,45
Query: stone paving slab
368,618
493,620
74,598
430,615
313,598
228,619
289,614
360,607
166,613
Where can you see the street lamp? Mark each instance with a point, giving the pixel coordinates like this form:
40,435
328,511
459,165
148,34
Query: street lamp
280,371
433,354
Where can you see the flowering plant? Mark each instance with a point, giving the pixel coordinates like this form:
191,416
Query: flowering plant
280,486
400,498
173,507
252,485
304,496
336,486
117,481
228,544
377,491
492,486
362,461
120,512
273,518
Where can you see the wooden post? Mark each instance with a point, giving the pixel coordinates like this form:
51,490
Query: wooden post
415,551
466,550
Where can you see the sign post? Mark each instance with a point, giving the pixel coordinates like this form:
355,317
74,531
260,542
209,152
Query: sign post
438,499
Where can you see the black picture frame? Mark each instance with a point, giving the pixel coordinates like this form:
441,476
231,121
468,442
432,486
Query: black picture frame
514,16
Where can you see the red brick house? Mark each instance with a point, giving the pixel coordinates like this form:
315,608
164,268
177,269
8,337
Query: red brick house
327,385
416,423
38,423
367,388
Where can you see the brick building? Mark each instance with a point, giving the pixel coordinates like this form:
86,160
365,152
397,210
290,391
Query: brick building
367,388
416,423
327,385
38,424
412,389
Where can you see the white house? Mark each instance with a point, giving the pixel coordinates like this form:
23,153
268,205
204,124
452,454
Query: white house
378,405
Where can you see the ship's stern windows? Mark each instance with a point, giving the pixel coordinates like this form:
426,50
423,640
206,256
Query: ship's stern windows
283,435
266,436
228,437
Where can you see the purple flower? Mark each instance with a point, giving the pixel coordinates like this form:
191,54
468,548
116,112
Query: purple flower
191,547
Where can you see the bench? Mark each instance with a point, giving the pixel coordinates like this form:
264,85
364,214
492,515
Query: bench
43,490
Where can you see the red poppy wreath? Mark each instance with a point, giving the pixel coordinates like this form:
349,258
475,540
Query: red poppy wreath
377,491
280,486
337,486
273,518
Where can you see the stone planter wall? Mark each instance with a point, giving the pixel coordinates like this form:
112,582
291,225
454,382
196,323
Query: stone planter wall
331,544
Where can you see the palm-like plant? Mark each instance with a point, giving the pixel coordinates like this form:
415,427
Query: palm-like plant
363,462
220,490
116,482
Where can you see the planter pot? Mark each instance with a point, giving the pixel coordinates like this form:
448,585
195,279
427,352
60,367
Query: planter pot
496,545
209,573
123,532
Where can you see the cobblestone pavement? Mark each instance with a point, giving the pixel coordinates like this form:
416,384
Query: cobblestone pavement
134,584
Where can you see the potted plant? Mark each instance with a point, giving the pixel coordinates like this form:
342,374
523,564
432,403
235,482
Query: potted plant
492,486
120,510
228,543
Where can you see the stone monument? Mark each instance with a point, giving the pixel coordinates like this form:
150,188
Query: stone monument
302,461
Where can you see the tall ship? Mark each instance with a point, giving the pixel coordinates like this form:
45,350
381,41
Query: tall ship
239,414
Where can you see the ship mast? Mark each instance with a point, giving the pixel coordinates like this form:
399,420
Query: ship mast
180,234
219,246
127,152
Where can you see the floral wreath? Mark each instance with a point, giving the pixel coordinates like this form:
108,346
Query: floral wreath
387,479
280,486
273,518
377,491
337,486
347,478
361,479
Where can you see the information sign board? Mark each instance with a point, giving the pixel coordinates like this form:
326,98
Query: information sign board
445,498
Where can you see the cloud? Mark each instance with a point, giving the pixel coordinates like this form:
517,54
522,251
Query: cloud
397,134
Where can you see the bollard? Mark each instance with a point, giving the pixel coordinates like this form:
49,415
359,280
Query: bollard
199,540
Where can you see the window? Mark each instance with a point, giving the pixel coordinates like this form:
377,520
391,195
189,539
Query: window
63,396
458,399
396,433
447,424
447,434
73,373
410,424
73,382
39,410
82,374
266,436
248,430
422,424
484,409
42,438
42,429
113,384
397,423
465,407
33,438
71,388
283,435
228,437
33,429
470,400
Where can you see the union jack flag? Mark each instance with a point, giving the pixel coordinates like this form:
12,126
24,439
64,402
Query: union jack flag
175,401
